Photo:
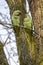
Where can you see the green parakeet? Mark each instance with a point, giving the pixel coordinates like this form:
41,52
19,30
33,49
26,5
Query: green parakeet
28,22
15,17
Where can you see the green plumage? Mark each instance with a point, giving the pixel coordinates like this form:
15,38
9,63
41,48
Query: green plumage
16,19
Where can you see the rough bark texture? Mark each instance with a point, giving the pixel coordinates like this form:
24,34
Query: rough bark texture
17,5
36,8
30,51
25,44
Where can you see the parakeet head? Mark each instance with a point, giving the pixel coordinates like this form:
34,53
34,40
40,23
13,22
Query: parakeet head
15,17
17,13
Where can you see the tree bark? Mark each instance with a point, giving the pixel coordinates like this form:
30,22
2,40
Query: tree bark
3,60
30,51
36,8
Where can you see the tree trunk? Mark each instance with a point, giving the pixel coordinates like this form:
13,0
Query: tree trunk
17,5
3,60
30,51
36,8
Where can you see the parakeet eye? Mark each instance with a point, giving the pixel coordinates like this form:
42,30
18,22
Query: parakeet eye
16,13
15,17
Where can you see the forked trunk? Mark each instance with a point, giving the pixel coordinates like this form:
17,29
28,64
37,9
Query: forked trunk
30,51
